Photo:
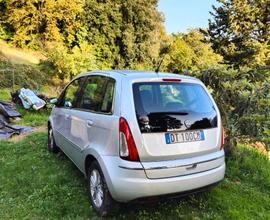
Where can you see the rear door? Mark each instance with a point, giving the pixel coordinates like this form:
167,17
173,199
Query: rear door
176,120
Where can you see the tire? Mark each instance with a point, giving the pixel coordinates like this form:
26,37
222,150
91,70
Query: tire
52,147
98,192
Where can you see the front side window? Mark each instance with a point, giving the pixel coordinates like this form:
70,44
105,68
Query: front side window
97,94
71,94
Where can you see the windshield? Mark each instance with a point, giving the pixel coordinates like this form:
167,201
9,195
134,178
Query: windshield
166,105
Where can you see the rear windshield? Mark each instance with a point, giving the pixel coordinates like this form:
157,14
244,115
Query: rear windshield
154,97
168,106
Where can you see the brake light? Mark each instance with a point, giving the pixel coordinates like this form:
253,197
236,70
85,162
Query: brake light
171,80
127,147
222,139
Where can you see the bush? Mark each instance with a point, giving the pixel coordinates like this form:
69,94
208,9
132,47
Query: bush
70,62
244,101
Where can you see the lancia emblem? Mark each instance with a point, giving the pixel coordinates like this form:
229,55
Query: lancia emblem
188,123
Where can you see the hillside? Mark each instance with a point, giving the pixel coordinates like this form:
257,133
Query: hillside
25,68
17,55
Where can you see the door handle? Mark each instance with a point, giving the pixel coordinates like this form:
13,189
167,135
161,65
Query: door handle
67,116
89,123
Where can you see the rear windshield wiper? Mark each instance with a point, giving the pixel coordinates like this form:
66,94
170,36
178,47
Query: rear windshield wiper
169,113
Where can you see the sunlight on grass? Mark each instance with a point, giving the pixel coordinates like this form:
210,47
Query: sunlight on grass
5,94
20,55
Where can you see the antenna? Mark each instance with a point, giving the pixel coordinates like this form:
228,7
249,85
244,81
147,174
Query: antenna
160,62
166,50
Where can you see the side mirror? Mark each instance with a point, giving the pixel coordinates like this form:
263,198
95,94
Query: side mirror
53,101
68,104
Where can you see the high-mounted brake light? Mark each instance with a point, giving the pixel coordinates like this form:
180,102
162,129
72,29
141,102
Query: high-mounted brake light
127,147
171,80
222,138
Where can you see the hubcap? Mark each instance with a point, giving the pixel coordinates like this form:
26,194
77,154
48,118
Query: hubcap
96,189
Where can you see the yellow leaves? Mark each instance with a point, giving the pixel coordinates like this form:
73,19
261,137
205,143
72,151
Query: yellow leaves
46,21
190,51
71,62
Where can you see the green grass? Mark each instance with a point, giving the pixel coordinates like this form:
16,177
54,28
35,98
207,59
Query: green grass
36,184
32,117
5,94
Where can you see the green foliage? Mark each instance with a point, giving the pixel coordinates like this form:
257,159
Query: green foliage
244,100
189,51
53,188
125,32
33,23
71,62
240,32
204,56
87,34
180,56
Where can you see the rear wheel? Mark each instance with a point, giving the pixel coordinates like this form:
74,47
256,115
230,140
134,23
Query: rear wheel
98,192
51,143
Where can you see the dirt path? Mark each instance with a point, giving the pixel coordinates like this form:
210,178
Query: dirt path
20,137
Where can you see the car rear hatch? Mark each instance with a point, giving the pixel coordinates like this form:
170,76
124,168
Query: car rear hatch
179,127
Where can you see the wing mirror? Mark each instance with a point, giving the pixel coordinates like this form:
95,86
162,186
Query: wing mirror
53,101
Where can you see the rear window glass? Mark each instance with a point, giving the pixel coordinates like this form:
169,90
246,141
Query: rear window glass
155,97
170,106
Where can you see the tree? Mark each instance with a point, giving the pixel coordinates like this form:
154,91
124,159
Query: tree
32,23
204,57
189,51
243,98
240,31
70,62
124,32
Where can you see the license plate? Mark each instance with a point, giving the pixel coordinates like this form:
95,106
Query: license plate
182,137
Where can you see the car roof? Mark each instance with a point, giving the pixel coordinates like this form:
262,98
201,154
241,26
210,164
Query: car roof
137,74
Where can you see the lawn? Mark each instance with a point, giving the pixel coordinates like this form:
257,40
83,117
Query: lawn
36,184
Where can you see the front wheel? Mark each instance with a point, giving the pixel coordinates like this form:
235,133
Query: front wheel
98,192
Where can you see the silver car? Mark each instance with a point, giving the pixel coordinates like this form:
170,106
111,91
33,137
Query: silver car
137,134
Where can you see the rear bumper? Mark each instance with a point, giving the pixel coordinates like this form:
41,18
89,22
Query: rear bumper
175,195
131,184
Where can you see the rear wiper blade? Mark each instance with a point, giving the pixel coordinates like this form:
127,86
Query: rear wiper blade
169,113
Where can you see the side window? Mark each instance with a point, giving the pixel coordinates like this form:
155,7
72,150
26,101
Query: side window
71,94
97,94
108,96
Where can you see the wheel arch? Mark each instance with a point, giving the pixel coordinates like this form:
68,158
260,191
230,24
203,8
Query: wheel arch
88,160
50,122
92,155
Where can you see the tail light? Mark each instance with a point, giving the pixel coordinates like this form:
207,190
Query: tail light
127,147
222,139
